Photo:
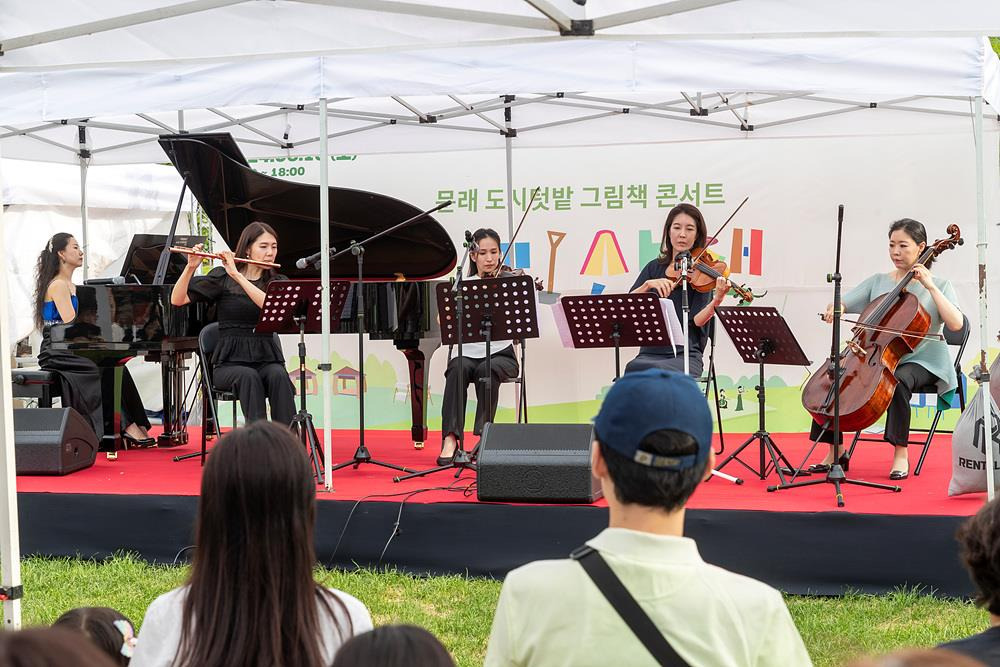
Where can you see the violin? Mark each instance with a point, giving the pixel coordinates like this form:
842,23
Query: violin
706,269
890,327
506,271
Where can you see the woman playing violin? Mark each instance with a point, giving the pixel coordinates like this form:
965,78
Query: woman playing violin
683,230
930,362
471,366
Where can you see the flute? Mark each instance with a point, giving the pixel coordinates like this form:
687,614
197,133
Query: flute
212,255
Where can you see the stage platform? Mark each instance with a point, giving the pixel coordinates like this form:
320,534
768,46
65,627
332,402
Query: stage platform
797,540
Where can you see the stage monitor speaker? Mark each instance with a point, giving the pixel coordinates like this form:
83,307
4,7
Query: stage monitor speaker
540,463
52,441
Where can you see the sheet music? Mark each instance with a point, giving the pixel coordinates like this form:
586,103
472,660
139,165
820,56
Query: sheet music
674,327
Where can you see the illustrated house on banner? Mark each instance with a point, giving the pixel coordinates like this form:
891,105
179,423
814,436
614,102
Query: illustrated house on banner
345,382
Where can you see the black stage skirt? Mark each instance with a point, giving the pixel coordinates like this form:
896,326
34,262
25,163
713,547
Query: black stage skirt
79,380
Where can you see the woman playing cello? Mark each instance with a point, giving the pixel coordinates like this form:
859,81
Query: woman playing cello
930,362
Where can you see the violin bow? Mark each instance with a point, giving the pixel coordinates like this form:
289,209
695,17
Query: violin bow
510,245
715,236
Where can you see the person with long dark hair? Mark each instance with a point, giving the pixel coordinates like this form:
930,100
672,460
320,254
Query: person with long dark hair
79,378
250,599
249,363
471,366
929,363
683,231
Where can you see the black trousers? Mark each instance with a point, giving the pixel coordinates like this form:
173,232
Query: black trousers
254,383
645,361
463,370
897,417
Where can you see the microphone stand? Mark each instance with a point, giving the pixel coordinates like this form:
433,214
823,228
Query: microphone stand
461,459
835,475
683,264
361,454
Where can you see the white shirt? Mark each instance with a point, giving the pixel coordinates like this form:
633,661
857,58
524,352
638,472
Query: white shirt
160,635
550,612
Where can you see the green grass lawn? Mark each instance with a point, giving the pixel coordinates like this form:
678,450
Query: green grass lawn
460,610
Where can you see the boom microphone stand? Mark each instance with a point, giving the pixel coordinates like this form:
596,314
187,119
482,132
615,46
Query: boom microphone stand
361,454
835,475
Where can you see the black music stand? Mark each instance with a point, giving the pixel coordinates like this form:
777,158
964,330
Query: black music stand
761,336
293,306
616,320
492,309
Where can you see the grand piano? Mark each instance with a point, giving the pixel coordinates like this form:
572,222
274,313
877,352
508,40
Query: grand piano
400,303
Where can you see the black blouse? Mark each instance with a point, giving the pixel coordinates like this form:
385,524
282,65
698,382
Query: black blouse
696,302
237,315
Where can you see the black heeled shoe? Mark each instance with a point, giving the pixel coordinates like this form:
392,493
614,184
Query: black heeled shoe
138,443
446,460
820,468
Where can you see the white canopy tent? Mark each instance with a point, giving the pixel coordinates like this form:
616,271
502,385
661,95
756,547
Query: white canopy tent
268,71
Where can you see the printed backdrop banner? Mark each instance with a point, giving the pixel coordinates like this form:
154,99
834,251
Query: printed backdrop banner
599,217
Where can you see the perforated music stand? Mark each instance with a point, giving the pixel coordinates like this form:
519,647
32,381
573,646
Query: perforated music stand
493,309
293,306
616,320
761,335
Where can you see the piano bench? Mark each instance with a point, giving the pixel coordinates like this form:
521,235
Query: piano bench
43,385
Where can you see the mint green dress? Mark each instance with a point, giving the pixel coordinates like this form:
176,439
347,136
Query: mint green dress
931,354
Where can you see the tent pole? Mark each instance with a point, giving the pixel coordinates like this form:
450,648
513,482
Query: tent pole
509,156
324,247
10,543
84,154
982,241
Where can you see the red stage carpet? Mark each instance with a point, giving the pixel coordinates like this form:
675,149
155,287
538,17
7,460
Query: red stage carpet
153,472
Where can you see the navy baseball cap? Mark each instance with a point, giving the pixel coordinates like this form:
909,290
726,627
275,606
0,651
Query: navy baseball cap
654,400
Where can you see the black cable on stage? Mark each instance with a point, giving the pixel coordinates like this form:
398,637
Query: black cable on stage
399,515
357,504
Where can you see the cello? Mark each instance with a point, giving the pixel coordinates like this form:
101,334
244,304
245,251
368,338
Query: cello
889,328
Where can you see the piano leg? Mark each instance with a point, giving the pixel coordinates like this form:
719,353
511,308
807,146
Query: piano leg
418,394
111,385
172,369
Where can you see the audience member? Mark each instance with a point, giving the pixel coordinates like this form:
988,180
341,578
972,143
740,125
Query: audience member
919,658
109,629
49,647
394,646
979,544
250,599
653,446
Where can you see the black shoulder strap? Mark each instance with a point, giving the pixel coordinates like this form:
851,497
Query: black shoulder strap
635,618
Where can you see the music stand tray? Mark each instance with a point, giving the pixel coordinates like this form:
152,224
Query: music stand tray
761,335
616,320
293,306
492,309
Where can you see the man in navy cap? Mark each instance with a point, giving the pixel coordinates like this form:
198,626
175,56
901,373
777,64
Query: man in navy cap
652,447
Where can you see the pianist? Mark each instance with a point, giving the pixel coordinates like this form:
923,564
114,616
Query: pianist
79,378
247,363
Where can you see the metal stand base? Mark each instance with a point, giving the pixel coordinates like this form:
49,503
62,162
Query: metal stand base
836,477
303,428
461,461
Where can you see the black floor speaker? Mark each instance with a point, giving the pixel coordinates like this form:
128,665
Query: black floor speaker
52,441
537,463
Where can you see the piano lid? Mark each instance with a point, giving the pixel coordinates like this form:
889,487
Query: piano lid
234,195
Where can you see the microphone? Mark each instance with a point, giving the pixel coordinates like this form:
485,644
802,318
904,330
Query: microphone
682,260
840,213
311,260
114,280
471,242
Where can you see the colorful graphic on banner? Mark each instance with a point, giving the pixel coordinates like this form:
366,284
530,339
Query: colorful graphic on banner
520,256
747,257
605,256
555,238
649,248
